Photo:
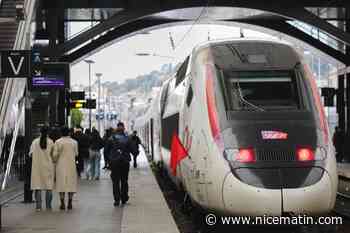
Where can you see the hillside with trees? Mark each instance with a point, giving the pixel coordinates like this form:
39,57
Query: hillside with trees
144,83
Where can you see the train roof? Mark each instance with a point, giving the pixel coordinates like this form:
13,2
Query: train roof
252,54
239,40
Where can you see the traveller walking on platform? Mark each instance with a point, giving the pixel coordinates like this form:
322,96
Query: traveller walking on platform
75,135
42,177
137,142
87,165
119,147
106,137
66,150
95,156
83,149
6,150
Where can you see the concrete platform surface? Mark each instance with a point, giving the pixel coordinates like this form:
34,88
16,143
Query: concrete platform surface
93,210
147,211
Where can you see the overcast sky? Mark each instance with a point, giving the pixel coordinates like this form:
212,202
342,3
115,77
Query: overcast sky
119,62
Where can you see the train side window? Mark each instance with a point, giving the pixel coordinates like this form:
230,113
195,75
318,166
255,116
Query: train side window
304,98
181,73
170,126
221,77
163,98
189,96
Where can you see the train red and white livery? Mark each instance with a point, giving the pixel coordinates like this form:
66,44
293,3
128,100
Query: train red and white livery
241,129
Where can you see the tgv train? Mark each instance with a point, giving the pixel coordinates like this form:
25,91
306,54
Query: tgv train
250,118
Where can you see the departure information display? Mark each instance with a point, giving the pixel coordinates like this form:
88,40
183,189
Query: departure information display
50,76
48,81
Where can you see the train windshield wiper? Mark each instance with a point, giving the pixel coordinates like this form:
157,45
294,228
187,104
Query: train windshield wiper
246,102
234,52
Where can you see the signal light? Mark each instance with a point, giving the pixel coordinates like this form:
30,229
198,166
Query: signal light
305,154
246,155
77,104
89,104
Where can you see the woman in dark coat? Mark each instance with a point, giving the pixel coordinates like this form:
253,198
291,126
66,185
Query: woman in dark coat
83,143
106,137
96,144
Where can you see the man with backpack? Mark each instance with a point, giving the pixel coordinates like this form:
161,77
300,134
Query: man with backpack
119,147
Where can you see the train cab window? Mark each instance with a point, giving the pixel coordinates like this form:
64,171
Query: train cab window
181,73
264,91
189,96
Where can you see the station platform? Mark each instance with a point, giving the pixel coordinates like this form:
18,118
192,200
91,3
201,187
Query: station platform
93,210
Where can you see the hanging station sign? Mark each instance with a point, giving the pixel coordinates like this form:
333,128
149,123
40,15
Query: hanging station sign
15,63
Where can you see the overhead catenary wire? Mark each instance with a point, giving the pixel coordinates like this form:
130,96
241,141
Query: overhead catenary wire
246,101
205,8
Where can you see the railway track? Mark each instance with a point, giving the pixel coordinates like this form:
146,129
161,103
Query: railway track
342,205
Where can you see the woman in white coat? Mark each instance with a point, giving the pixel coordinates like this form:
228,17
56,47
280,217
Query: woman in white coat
42,177
66,149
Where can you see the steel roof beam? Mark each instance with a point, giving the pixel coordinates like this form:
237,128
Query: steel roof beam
127,16
113,35
131,27
294,32
135,4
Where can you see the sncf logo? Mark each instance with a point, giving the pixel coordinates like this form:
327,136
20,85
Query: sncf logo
270,134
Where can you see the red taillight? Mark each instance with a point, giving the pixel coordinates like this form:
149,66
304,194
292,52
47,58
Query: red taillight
305,154
246,155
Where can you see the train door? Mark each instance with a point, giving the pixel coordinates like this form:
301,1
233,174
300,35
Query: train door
198,151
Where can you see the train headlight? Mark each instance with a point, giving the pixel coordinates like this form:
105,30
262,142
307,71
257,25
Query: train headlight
242,155
305,154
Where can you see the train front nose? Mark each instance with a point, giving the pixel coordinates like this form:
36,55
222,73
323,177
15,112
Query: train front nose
243,199
259,192
316,199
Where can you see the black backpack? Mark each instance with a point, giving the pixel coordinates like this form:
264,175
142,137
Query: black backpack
119,149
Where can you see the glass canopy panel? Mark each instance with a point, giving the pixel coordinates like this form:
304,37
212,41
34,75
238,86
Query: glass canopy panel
319,35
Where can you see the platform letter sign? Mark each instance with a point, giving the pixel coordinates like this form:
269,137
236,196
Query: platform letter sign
15,64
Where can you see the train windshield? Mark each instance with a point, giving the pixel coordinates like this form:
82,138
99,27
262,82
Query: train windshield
263,91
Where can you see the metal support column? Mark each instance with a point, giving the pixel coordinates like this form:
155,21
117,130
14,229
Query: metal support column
52,26
347,103
341,103
347,51
61,25
62,116
53,107
28,194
